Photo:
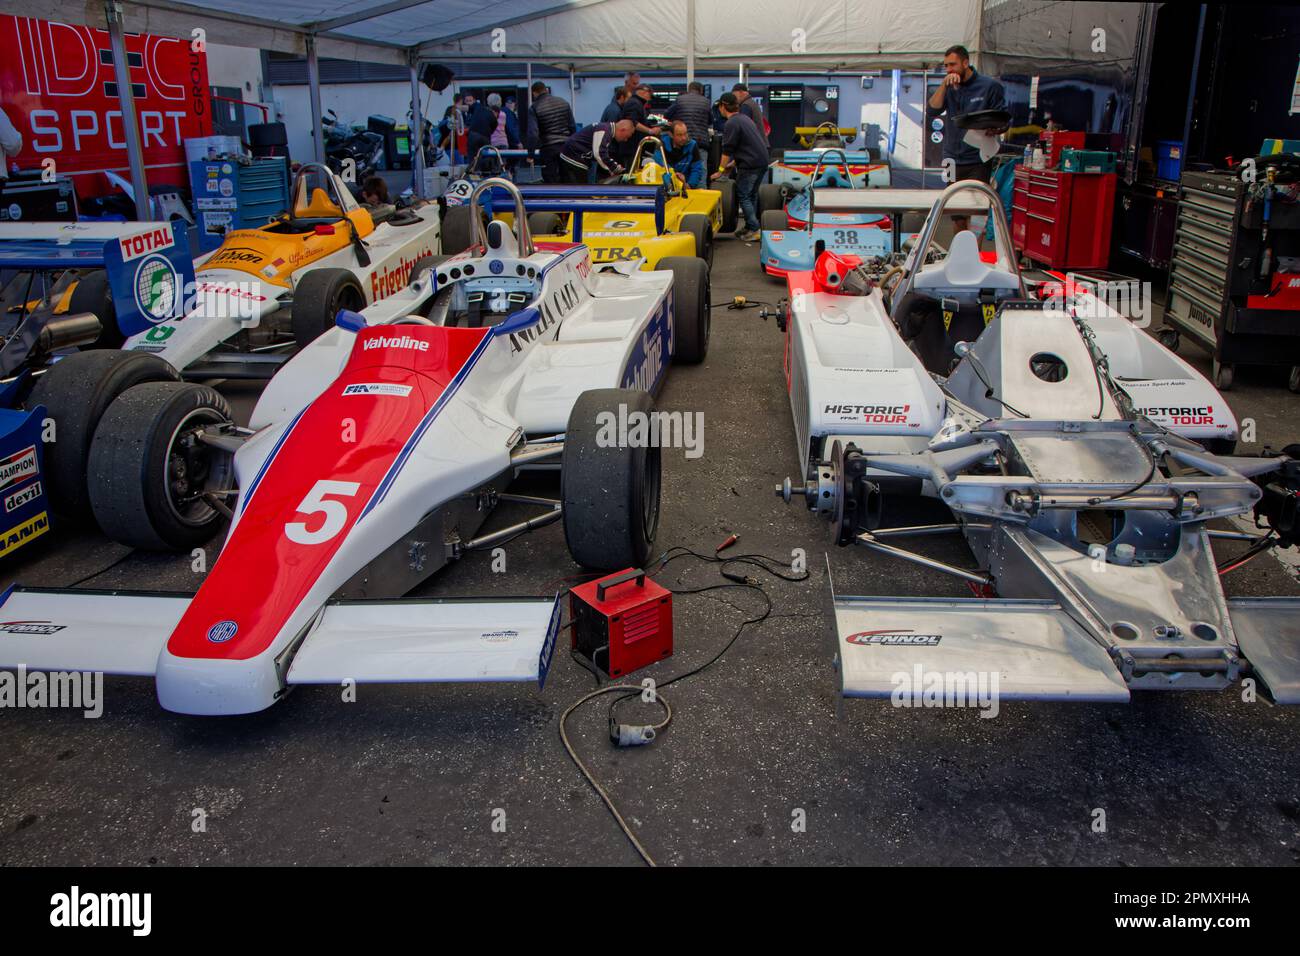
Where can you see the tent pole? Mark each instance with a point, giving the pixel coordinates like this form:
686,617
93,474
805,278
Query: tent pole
690,41
573,91
417,129
313,94
528,100
126,96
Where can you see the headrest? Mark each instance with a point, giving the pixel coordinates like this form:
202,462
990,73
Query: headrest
501,240
963,268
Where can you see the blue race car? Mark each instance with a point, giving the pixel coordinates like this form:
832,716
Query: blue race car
65,286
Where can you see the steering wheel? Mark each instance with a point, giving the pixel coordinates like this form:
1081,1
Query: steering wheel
413,320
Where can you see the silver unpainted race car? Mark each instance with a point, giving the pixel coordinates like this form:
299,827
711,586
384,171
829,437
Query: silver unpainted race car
1073,452
372,460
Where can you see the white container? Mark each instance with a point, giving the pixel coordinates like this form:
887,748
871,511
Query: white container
199,148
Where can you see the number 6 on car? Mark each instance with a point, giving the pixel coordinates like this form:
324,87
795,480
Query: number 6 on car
335,512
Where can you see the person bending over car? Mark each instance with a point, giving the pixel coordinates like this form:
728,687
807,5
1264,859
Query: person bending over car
743,147
593,144
683,155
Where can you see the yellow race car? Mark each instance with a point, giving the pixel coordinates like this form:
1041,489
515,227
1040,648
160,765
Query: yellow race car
649,213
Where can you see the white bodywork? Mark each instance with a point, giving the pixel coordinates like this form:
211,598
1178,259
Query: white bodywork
439,415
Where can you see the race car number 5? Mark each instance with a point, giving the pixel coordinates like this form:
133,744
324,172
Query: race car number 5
335,512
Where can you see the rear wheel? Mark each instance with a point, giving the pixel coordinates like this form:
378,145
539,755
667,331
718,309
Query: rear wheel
543,223
610,489
155,480
775,220
770,196
93,294
691,308
457,229
730,203
702,231
76,391
318,298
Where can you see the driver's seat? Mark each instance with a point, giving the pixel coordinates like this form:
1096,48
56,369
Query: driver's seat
952,301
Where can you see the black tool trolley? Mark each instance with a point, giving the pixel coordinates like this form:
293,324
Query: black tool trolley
1234,277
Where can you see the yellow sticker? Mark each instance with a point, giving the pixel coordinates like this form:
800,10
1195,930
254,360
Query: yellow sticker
27,531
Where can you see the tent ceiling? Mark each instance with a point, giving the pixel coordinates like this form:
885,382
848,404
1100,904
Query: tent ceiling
590,34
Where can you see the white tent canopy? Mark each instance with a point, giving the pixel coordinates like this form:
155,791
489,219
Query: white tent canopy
583,34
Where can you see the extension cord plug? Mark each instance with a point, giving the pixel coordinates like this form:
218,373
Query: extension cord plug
630,735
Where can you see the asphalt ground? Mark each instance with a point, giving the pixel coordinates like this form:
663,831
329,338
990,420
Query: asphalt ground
420,774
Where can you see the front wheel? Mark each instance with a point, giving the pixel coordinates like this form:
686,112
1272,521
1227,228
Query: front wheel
770,196
702,231
156,482
691,307
609,483
317,300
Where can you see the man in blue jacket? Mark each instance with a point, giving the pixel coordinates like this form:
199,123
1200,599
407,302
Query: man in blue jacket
683,155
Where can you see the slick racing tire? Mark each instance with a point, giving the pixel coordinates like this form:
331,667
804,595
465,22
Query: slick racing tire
730,203
76,391
152,473
543,224
702,231
610,489
770,196
691,307
318,297
457,230
775,220
92,294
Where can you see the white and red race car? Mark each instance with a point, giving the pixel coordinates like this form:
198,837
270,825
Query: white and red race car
372,459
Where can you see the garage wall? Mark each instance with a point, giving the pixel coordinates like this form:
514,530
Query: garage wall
353,102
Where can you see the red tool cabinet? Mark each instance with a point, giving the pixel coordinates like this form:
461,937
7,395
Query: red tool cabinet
1063,220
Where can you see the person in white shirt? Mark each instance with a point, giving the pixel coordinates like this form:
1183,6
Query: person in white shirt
11,143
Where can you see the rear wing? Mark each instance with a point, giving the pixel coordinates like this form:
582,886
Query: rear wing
580,200
799,157
895,200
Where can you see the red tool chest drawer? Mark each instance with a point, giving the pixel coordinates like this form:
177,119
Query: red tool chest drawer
1063,219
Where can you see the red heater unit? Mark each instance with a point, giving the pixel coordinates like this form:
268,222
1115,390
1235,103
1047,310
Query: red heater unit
622,622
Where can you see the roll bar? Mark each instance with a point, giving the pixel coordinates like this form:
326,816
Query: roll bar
1001,234
640,148
478,235
843,164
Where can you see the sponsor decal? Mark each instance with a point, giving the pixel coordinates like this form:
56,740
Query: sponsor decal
157,288
891,637
614,253
159,333
234,254
222,631
874,414
377,388
498,637
18,466
23,496
229,288
143,243
777,236
389,279
394,342
1181,414
19,535
30,627
651,352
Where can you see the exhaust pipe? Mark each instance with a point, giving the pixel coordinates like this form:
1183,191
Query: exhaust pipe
80,329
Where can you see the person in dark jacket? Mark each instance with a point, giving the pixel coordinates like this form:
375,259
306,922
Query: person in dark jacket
480,122
693,109
749,107
594,144
614,108
743,147
683,155
552,125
